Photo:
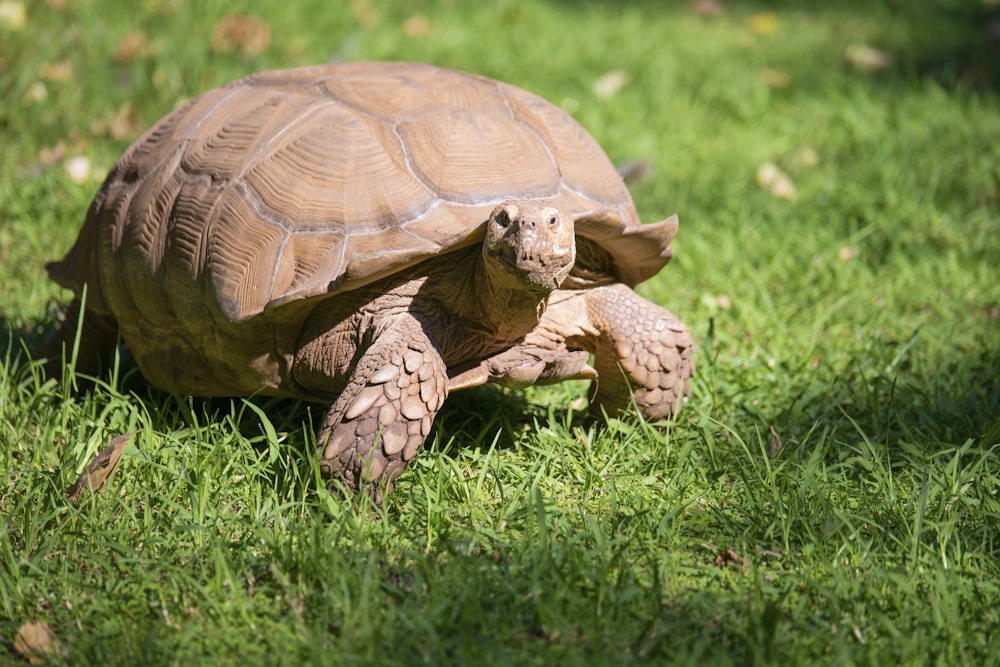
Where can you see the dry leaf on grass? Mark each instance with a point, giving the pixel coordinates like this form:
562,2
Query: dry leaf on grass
240,32
806,157
775,78
776,444
775,181
52,154
37,643
56,72
120,124
707,7
729,558
97,473
135,44
37,92
13,15
607,85
78,169
417,26
364,12
636,171
866,58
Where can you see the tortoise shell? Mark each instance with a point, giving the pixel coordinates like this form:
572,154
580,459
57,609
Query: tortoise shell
217,231
294,184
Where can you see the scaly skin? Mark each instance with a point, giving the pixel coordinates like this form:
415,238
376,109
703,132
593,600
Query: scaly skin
383,415
387,349
642,353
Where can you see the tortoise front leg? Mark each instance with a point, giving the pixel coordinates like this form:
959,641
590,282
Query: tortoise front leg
642,353
528,363
376,425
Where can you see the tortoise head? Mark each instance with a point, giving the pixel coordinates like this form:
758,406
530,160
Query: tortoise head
530,243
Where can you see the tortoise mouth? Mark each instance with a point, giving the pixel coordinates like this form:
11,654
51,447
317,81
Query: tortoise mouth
548,271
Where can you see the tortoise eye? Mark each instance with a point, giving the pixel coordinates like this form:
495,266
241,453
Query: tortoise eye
552,221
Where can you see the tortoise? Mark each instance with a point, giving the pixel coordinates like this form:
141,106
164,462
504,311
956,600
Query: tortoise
374,236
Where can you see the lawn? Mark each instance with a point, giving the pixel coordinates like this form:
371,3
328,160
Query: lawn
829,495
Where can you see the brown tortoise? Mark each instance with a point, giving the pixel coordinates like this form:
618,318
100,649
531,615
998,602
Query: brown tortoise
375,236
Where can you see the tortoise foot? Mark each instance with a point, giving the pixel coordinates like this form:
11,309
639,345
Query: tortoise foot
378,423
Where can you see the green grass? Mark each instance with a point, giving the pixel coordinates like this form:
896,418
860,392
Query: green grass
830,494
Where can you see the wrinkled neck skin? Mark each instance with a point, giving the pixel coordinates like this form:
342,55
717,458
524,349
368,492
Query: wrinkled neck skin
503,286
480,290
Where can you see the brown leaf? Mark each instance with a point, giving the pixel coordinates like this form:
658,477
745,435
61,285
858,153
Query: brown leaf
806,157
100,469
78,169
730,557
866,58
135,44
607,85
51,155
37,643
777,182
636,171
707,7
417,26
240,32
119,125
775,78
57,72
13,15
364,12
776,443
37,92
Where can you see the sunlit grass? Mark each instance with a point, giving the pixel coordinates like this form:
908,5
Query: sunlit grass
830,494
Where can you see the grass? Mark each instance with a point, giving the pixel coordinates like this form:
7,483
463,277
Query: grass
830,495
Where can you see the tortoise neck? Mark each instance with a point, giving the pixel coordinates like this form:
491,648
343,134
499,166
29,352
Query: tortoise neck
501,301
469,286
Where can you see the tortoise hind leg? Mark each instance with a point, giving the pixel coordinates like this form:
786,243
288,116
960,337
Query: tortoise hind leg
98,339
376,425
